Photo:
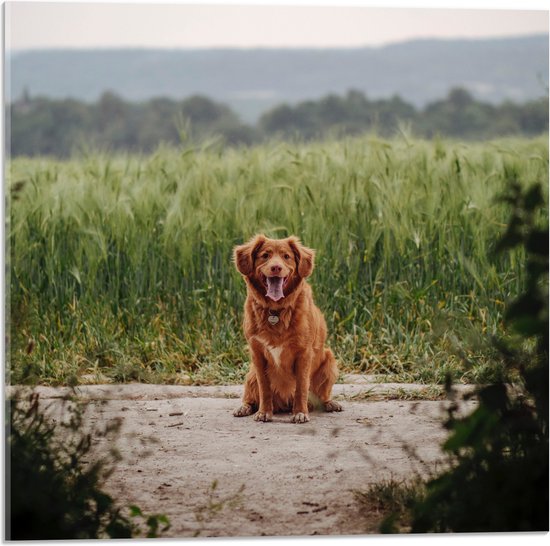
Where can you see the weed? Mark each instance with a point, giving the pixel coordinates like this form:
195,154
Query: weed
215,504
392,501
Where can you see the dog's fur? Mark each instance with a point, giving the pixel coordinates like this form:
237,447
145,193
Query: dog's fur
289,358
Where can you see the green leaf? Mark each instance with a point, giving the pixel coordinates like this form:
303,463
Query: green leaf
75,273
537,242
533,198
135,511
528,326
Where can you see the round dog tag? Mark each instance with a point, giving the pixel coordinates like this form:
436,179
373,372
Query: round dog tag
273,319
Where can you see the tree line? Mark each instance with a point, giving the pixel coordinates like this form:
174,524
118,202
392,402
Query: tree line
44,126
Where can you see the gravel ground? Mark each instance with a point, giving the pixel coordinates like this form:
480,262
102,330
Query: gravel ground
272,479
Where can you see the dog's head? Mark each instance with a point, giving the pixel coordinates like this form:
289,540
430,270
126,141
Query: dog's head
274,267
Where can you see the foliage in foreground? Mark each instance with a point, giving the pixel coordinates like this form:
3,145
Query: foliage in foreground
498,480
53,492
120,267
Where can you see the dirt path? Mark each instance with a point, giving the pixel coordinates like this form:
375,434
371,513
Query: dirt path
298,479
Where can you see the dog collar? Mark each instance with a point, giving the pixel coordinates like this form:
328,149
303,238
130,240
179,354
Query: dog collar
273,317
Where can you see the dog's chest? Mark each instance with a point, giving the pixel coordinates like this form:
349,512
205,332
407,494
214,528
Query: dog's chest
271,349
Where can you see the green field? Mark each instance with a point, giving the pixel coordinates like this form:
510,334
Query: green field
120,267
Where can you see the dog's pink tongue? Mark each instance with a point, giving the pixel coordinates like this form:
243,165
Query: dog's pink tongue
275,288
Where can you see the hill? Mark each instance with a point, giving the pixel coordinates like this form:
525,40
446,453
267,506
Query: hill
254,80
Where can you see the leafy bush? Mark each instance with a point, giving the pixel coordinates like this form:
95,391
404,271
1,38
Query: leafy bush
499,477
53,491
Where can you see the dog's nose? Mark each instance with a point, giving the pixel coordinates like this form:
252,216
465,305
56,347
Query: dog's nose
276,269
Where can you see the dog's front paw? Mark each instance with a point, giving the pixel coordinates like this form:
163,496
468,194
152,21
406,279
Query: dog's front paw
243,411
331,405
300,418
263,416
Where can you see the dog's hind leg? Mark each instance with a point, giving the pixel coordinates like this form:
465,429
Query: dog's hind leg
323,380
251,396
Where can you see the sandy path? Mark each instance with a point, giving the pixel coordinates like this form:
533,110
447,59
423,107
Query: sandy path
298,479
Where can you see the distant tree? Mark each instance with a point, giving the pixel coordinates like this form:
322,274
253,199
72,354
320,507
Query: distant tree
533,116
48,127
459,98
390,113
507,119
332,110
158,123
41,126
280,119
202,110
334,115
115,124
459,115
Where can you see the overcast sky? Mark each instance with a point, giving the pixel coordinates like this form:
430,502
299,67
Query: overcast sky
154,24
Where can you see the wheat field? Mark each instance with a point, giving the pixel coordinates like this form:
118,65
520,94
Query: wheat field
119,267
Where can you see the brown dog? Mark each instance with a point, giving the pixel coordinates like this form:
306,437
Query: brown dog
285,331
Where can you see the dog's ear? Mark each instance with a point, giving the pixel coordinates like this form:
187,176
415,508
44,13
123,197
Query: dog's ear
305,257
244,255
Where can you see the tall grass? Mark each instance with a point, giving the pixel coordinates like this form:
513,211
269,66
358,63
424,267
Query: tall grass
120,266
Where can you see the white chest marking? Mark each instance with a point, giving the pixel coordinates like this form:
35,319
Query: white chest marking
275,352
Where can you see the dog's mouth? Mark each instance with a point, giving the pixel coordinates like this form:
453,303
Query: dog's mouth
274,287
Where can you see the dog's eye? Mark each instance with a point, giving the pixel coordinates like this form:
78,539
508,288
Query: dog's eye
287,257
265,255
